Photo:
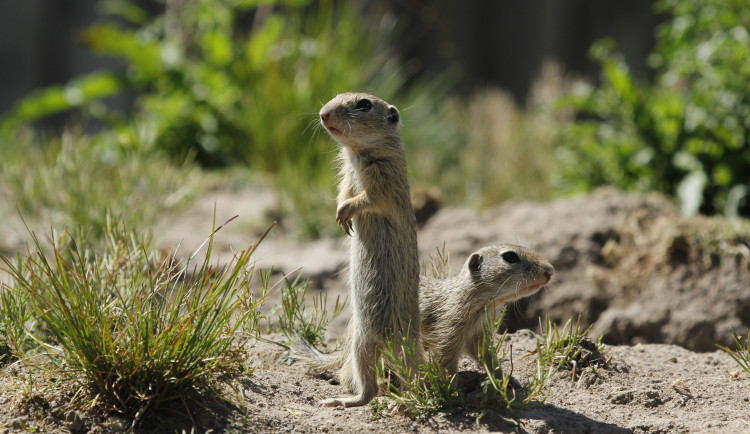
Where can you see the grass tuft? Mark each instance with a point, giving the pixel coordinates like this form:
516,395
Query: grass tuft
499,391
133,328
741,353
440,264
429,391
296,323
567,348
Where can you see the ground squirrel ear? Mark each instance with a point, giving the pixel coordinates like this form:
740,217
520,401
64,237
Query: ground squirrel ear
393,115
475,262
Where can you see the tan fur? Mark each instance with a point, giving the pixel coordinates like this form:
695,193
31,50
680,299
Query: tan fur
374,207
452,310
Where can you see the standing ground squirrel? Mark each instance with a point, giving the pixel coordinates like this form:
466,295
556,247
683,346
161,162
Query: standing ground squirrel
452,310
374,207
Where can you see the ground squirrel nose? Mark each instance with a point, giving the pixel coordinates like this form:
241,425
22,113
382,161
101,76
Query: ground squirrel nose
548,275
324,116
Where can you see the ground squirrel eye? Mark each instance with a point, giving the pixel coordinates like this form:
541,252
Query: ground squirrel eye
510,257
363,105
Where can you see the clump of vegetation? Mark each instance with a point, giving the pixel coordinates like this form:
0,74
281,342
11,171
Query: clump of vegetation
6,355
77,180
432,390
440,264
296,323
567,348
497,390
741,353
685,135
499,143
428,391
136,330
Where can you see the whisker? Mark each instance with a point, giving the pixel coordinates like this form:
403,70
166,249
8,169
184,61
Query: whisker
312,123
305,114
500,288
407,108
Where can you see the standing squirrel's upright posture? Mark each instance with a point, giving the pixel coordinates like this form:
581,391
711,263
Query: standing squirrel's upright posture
375,209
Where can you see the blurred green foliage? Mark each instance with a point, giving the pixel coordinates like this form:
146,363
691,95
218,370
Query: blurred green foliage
686,134
241,81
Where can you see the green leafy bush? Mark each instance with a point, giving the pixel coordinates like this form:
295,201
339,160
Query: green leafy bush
242,82
687,133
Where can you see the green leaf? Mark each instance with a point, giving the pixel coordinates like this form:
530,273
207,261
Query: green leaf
57,99
125,9
217,48
143,56
260,44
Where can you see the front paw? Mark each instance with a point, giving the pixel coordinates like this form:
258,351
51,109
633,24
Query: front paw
344,215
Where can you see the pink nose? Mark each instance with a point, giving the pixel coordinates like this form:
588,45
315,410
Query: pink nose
324,116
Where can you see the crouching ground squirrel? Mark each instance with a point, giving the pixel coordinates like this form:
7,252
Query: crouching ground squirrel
452,310
375,209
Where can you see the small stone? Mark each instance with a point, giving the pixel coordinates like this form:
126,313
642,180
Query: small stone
585,381
19,422
75,422
624,397
117,423
76,425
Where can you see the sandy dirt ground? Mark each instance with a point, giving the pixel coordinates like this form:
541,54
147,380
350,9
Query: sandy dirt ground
661,303
650,388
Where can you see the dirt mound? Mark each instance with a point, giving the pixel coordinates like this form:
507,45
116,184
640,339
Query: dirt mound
626,262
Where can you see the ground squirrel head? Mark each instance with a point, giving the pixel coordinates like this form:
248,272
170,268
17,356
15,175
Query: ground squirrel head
505,273
362,122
